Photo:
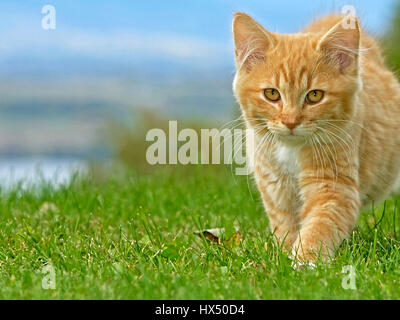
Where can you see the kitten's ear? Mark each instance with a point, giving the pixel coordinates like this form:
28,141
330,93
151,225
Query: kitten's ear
341,44
251,41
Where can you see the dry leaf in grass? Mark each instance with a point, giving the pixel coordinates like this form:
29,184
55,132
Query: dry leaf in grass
213,235
216,235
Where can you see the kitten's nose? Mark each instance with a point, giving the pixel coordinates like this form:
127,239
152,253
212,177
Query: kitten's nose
290,123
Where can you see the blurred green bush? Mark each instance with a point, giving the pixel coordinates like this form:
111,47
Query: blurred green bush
391,41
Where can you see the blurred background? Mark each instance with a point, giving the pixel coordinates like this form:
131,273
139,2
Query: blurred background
88,91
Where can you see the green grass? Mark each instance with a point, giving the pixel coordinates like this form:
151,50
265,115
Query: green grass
131,237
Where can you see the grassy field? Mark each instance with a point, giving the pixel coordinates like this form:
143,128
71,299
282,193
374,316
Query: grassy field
131,237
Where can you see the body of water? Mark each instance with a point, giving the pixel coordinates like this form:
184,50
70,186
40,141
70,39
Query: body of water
33,171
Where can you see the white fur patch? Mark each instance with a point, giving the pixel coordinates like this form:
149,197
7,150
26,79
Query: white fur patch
287,157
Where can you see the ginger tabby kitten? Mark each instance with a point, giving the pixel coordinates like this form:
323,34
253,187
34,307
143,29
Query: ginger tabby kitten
326,113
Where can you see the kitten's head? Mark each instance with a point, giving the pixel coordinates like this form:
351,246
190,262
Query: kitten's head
291,83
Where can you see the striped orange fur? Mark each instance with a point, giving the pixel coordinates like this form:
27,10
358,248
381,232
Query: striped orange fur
317,164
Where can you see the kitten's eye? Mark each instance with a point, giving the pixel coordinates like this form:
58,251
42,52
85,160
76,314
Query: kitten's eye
314,96
272,94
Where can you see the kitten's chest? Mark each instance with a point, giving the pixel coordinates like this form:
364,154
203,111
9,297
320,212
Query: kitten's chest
279,178
287,160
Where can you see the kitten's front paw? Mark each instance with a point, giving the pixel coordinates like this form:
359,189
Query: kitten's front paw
308,252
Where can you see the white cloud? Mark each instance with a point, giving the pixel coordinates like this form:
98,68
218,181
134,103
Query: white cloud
153,44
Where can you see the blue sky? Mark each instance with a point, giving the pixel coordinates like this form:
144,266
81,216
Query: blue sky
208,18
136,32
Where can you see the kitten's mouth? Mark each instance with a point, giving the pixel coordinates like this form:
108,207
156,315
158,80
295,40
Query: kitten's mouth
289,134
291,137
